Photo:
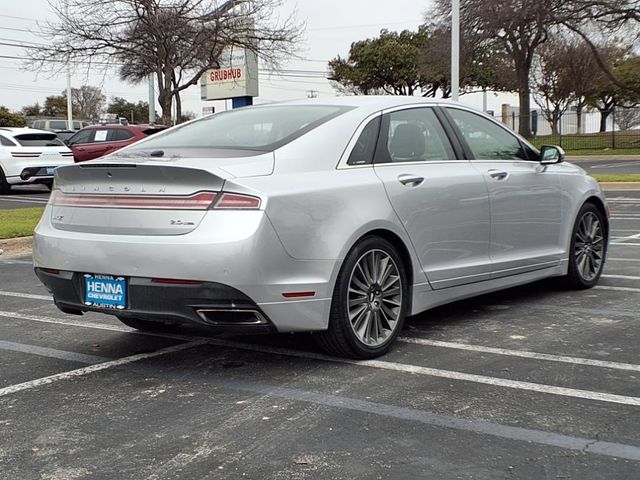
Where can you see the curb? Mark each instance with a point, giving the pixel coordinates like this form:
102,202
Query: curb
619,186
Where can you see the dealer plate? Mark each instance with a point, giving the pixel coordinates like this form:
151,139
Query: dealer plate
105,291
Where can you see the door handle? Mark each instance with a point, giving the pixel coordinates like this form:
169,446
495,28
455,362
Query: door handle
410,180
498,174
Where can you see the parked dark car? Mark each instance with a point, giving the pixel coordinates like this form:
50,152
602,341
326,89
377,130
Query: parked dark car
98,140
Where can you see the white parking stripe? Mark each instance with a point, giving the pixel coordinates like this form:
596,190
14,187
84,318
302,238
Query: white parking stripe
630,237
620,289
380,364
95,368
621,277
15,262
25,295
523,354
609,259
626,244
26,200
51,352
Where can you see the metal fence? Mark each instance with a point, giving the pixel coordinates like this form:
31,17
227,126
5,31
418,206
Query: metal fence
617,129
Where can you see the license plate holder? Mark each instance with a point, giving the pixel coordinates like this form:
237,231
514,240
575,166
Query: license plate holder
105,291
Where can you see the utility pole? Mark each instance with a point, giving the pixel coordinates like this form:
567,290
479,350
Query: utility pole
152,100
69,102
455,49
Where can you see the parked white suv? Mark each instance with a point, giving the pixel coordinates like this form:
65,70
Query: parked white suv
30,156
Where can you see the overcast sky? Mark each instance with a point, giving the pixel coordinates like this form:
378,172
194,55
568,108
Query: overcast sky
331,27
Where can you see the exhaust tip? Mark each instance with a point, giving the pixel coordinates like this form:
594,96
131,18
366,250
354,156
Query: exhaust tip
212,316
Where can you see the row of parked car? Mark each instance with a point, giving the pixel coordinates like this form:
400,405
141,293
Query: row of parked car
29,155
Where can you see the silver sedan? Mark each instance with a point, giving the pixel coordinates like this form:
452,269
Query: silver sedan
340,216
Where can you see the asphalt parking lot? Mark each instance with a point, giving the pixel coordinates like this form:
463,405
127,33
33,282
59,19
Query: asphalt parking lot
529,383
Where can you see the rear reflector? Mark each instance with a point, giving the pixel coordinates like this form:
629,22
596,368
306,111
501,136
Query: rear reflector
197,201
52,271
175,281
25,155
298,294
237,201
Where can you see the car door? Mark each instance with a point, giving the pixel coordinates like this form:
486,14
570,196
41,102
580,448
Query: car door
80,145
525,196
439,197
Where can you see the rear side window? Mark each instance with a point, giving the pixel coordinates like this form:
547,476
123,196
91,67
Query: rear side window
38,124
487,140
58,125
38,140
365,147
250,128
119,134
6,142
151,131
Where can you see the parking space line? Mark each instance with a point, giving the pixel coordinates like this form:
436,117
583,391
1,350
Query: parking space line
522,353
52,353
25,295
623,259
626,244
619,289
621,277
584,445
96,368
26,200
400,367
15,262
629,237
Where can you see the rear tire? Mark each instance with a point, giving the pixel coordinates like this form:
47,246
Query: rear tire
588,248
146,325
369,303
5,187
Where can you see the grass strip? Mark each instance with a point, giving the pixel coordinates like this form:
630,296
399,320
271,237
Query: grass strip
632,177
19,222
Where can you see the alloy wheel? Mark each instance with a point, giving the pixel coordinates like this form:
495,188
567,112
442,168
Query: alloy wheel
374,298
589,246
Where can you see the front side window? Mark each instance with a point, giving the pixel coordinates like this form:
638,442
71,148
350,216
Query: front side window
487,140
83,136
414,135
38,140
250,128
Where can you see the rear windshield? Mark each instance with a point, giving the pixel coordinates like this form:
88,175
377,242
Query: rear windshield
38,140
249,128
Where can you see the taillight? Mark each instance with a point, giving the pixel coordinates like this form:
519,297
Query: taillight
196,201
236,201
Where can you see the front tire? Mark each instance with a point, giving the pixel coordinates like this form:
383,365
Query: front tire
369,303
588,248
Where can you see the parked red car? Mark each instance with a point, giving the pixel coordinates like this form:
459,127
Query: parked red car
98,140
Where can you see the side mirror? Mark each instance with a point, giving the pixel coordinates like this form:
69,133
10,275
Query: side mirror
550,154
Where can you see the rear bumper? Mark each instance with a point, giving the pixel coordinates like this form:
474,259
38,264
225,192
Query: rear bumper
208,304
229,254
21,171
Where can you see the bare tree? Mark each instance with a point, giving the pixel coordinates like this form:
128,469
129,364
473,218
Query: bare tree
627,118
87,101
174,40
522,26
552,86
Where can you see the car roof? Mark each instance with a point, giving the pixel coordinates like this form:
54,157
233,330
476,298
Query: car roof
126,127
13,131
373,101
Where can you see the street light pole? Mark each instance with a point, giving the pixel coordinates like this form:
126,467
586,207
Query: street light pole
69,103
455,49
